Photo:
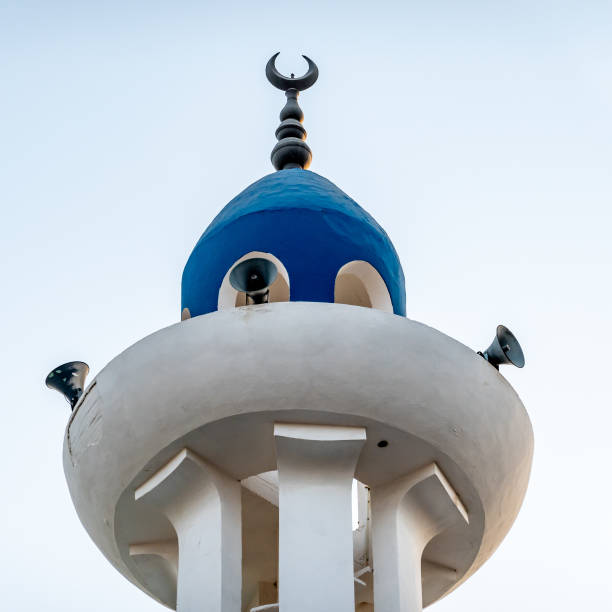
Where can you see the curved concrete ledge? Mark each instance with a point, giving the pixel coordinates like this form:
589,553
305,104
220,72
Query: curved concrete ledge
217,383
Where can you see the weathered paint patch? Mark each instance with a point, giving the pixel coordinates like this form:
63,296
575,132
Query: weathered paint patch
85,429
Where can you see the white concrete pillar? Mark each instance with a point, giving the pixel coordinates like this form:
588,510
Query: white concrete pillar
406,514
203,505
361,535
316,465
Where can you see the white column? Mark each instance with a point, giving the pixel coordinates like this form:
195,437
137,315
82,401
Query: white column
406,514
316,465
203,505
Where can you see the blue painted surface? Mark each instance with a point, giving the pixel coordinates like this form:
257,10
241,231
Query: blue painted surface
313,227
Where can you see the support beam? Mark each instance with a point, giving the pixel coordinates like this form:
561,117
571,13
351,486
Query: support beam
166,549
203,505
157,563
316,465
406,514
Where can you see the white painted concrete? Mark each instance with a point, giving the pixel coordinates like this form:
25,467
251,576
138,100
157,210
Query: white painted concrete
217,384
259,551
158,562
265,485
316,465
166,549
203,505
360,284
406,514
361,535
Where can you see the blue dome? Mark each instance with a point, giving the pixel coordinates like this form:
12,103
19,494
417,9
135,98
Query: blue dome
305,221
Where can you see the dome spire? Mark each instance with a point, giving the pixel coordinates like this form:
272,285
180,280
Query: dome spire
291,151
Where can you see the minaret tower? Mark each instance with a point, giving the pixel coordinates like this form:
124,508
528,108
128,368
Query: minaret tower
213,462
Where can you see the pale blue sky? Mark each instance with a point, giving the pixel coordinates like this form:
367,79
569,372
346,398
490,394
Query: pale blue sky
479,134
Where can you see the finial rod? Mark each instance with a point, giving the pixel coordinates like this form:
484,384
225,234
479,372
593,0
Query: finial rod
291,151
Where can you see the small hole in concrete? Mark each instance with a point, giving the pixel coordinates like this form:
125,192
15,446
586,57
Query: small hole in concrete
382,444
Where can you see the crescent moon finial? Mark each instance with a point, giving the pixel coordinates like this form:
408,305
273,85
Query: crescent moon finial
284,83
291,151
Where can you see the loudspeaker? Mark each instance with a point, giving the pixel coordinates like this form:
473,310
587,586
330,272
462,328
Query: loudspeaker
254,277
69,380
504,349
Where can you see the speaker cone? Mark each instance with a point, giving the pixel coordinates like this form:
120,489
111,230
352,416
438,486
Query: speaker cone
69,380
254,277
504,349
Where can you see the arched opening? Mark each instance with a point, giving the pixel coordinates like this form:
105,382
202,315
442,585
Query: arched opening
358,283
279,289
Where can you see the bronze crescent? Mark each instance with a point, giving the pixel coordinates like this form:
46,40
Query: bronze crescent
284,83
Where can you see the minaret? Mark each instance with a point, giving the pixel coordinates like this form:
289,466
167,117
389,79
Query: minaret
212,462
